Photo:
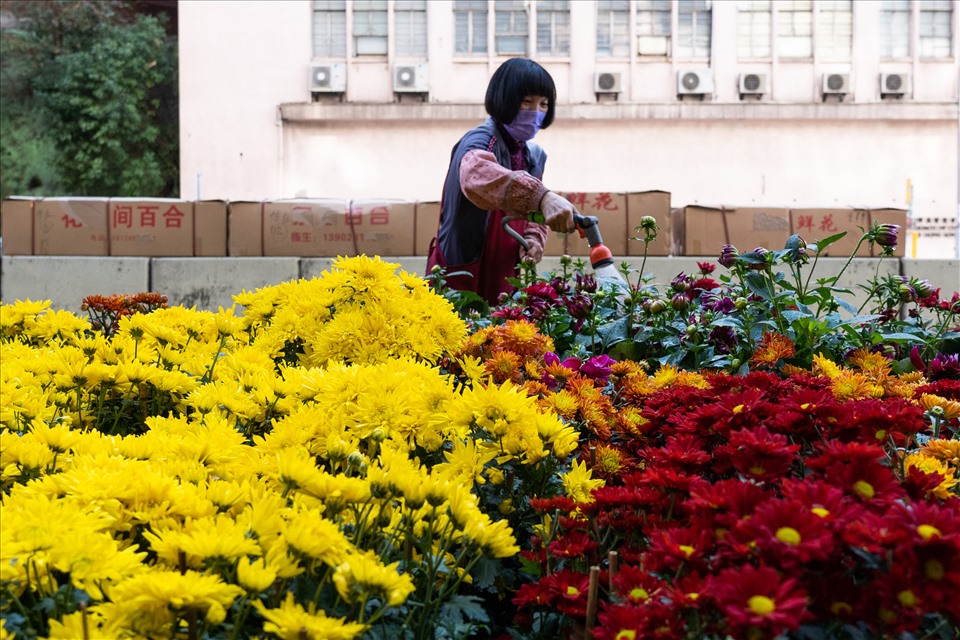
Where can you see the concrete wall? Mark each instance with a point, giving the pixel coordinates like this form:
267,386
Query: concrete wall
209,283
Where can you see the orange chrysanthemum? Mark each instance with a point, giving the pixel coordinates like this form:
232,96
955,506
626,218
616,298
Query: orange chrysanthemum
773,348
950,408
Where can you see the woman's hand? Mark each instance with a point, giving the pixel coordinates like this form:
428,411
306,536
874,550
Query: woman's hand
558,212
535,252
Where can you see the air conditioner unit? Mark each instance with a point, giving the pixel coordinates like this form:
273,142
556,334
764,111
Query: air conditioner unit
694,82
753,84
606,82
329,77
894,84
411,78
836,84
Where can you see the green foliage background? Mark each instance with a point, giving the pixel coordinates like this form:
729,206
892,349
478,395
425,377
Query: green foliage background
88,101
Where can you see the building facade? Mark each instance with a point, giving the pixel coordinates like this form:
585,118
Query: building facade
737,102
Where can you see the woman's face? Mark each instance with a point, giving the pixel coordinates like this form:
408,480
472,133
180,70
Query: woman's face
535,103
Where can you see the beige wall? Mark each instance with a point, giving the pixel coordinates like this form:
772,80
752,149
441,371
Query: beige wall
249,129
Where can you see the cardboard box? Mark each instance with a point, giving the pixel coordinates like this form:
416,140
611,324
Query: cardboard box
16,226
151,227
71,227
818,223
335,227
610,209
426,221
210,228
245,229
705,229
649,203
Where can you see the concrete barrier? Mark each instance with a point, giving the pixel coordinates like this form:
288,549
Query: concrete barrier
66,280
208,283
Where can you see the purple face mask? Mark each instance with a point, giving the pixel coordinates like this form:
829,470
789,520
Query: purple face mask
525,125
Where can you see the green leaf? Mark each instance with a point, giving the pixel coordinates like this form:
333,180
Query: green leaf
829,240
758,285
464,608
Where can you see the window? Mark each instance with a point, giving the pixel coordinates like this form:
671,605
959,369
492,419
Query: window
895,29
834,29
511,28
753,29
936,18
613,28
794,28
329,28
693,29
470,27
410,28
653,27
370,27
553,27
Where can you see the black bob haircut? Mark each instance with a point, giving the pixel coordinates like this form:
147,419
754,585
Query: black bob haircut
512,82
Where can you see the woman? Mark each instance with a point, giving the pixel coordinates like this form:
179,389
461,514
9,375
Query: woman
495,171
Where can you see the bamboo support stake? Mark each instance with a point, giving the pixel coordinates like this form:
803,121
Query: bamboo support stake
592,600
612,562
83,619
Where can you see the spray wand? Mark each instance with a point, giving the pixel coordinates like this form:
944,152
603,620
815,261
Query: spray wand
587,226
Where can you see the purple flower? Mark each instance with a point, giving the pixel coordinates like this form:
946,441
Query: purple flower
945,367
570,363
728,256
886,235
598,367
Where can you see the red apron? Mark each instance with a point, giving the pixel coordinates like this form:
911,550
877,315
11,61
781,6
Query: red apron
497,261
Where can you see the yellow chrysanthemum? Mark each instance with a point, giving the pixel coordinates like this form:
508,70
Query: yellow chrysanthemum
579,484
163,591
362,576
951,408
946,451
290,621
928,464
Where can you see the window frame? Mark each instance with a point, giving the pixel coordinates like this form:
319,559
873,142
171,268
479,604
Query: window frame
611,26
328,14
819,33
919,10
694,14
555,37
471,54
515,32
769,11
653,12
418,50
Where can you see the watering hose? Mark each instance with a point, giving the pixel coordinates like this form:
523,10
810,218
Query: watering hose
587,226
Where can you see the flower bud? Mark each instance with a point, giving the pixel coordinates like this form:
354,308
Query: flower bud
923,288
885,235
654,305
680,302
906,292
691,329
740,304
648,222
728,256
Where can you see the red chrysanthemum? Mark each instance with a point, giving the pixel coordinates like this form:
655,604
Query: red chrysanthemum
758,454
570,591
757,603
574,544
636,585
724,503
678,549
785,534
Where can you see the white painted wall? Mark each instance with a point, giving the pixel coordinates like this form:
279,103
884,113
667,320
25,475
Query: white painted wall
241,60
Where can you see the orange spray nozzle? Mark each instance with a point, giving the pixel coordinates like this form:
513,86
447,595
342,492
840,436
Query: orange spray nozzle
600,256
